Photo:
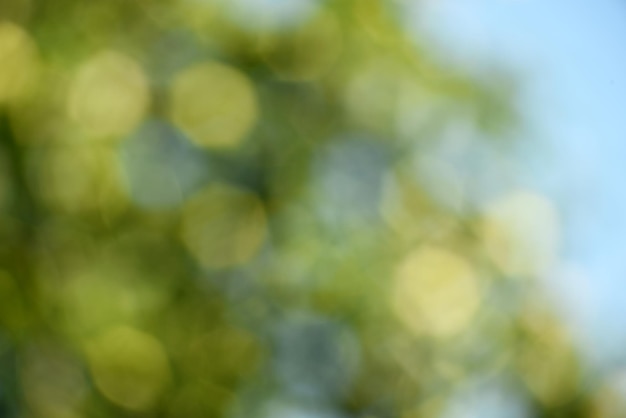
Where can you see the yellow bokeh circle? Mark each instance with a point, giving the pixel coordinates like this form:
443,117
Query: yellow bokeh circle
129,367
109,95
436,292
214,104
521,234
19,62
224,226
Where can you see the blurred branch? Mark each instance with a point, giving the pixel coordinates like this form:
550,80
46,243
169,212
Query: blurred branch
25,213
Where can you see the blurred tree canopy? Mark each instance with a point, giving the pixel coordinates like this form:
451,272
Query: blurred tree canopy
230,208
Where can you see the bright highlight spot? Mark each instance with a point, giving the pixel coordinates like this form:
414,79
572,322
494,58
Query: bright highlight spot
18,62
129,367
109,95
214,104
521,234
436,292
224,226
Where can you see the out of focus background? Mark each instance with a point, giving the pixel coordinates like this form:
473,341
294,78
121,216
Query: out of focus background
312,209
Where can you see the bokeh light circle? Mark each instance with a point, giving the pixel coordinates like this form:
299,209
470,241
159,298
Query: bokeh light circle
19,62
109,95
214,104
521,234
224,226
436,292
129,367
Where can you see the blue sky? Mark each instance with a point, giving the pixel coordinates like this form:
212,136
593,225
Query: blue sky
572,56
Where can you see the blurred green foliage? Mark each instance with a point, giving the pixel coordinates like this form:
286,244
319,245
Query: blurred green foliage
227,208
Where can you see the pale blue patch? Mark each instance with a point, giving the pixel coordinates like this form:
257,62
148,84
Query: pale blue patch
348,180
488,400
161,166
270,14
314,358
